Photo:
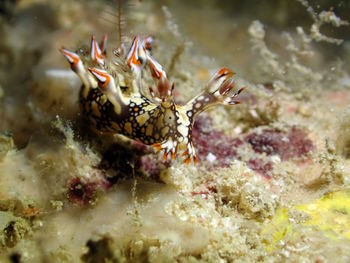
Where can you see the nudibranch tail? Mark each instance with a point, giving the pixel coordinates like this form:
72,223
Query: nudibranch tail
218,91
219,82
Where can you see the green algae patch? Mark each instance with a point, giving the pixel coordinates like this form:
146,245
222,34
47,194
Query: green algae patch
331,214
277,229
12,229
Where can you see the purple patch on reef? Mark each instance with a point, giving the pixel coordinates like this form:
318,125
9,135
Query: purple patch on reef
260,166
152,167
207,141
81,193
289,145
221,149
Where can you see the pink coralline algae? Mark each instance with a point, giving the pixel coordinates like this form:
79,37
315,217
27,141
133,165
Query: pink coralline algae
152,167
294,144
209,141
220,149
81,193
260,166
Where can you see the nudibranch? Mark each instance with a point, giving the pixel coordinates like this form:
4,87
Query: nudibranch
113,100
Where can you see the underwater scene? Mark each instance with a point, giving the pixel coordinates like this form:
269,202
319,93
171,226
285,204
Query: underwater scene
174,131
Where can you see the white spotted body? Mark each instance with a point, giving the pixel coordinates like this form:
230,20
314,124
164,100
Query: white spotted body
112,100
